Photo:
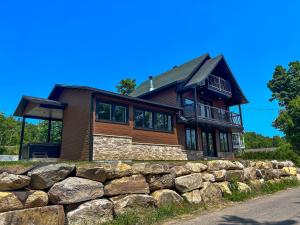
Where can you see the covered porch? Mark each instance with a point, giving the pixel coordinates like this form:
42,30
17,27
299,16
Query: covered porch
40,109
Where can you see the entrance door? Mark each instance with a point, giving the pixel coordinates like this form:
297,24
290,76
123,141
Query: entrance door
190,138
208,143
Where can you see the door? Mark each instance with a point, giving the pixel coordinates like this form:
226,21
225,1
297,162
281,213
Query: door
190,138
208,143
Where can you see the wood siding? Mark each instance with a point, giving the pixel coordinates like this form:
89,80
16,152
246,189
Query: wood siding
167,96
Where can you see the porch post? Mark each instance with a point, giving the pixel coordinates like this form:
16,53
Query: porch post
22,137
241,116
196,113
49,131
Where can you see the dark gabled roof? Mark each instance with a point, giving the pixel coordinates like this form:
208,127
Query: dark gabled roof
177,74
58,89
204,70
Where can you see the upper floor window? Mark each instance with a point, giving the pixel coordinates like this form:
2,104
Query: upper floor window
111,112
153,120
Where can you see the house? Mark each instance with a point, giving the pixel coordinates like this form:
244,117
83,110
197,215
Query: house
184,113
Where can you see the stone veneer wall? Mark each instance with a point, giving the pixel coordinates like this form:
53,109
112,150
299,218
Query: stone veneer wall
110,147
94,193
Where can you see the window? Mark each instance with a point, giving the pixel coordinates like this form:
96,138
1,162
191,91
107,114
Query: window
111,112
190,138
153,120
223,142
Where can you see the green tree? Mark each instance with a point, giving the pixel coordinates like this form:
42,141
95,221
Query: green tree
126,86
285,88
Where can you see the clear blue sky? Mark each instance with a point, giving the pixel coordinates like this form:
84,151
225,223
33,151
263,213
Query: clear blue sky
97,43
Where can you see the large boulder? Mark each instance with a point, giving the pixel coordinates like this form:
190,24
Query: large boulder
9,201
134,201
49,215
74,190
224,186
263,165
9,182
208,177
242,187
35,199
221,164
178,171
92,212
150,168
193,197
210,192
273,173
235,175
292,171
104,171
17,169
166,197
220,175
196,167
256,184
280,165
250,173
239,165
135,184
46,176
189,182
157,182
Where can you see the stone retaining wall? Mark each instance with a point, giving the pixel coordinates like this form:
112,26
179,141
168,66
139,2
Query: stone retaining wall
110,147
95,193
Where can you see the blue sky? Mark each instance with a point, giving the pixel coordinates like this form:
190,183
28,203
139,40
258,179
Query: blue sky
97,43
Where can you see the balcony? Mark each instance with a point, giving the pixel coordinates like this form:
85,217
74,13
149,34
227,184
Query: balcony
219,85
212,115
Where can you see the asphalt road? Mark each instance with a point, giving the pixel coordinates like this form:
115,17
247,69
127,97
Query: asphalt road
282,208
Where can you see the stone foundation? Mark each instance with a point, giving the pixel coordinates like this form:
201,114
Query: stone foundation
110,147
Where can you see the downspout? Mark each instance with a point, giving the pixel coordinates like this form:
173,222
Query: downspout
91,137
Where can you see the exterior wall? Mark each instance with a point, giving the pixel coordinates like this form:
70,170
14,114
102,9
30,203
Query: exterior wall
75,138
167,96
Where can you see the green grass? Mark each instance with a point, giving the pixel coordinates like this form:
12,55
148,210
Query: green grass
9,150
268,187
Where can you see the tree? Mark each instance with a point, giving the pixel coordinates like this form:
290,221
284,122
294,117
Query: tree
126,86
285,88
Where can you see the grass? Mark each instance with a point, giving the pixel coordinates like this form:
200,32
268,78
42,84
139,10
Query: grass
9,150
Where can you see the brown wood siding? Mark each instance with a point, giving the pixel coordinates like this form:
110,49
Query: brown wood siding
138,135
167,96
75,139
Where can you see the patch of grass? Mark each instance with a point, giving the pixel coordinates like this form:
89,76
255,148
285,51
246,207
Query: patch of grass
9,150
268,187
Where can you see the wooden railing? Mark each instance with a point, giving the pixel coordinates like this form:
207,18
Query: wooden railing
211,113
219,84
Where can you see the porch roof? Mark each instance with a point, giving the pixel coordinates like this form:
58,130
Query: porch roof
40,108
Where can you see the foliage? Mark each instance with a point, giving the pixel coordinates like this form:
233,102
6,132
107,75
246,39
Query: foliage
285,86
254,140
126,86
284,152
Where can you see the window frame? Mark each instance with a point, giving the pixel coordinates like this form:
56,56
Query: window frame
223,136
113,112
153,112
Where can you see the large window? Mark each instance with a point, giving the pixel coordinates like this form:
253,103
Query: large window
153,120
190,139
111,112
223,142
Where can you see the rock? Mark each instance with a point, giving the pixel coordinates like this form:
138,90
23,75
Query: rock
273,173
16,169
275,164
36,199
150,168
134,201
189,182
250,173
49,215
135,184
221,164
196,167
242,187
178,171
280,165
208,177
92,212
210,192
235,175
259,174
193,197
96,173
46,176
157,182
298,177
75,189
292,171
239,166
263,165
220,175
224,186
9,182
9,202
256,184
166,197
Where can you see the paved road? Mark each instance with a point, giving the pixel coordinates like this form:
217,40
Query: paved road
282,208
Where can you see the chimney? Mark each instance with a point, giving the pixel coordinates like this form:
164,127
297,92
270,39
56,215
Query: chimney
151,83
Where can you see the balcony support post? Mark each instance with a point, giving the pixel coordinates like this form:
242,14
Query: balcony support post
22,137
240,112
196,112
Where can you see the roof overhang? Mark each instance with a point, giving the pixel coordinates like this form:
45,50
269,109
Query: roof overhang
40,108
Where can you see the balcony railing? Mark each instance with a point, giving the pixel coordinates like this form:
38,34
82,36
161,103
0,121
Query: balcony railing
213,114
219,84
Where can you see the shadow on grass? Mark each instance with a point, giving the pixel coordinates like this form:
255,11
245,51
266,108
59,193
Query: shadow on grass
233,220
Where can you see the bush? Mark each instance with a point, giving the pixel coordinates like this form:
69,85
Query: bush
283,152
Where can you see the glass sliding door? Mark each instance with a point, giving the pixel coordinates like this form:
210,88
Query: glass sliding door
208,143
191,138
